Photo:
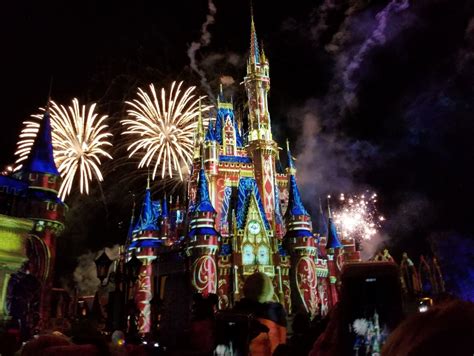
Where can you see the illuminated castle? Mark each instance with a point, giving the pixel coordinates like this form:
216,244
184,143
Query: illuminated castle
243,215
31,218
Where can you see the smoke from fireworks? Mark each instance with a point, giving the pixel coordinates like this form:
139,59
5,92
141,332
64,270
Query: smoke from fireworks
356,216
163,128
79,136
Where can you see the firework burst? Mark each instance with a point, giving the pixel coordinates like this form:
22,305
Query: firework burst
162,129
79,136
356,216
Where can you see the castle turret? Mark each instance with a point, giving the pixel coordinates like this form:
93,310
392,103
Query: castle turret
210,159
45,208
146,240
199,135
333,250
203,240
227,129
165,220
262,148
302,246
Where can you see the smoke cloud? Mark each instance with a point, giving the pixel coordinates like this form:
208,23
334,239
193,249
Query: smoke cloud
85,274
204,41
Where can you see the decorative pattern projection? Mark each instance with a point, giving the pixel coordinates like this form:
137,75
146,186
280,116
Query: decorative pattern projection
222,115
306,281
150,213
162,129
278,214
224,218
142,298
79,137
268,181
247,187
204,274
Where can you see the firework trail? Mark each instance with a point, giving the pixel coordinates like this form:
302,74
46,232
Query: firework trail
79,137
356,216
203,42
162,129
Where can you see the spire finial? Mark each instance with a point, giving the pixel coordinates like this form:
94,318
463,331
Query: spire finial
291,164
148,180
49,93
254,52
329,207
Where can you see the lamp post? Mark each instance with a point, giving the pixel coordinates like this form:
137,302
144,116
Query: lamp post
102,264
132,272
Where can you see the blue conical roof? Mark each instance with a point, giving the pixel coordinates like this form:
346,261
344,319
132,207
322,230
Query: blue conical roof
254,51
203,201
322,222
333,239
41,158
295,204
164,210
147,221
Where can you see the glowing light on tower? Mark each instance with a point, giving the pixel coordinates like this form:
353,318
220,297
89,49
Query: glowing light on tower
162,129
356,216
79,137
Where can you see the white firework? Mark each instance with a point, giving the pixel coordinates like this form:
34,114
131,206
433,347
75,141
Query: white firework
79,136
162,129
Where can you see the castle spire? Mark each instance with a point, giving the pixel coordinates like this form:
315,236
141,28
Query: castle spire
198,134
164,208
41,158
333,238
203,201
322,224
148,214
295,204
254,52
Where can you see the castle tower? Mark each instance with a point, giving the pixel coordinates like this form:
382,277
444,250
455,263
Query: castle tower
203,241
164,221
333,250
262,148
146,240
210,159
46,209
301,243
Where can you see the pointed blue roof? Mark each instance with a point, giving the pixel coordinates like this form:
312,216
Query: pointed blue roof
203,201
322,224
164,210
222,115
295,204
41,158
210,134
333,239
147,221
254,51
279,167
247,188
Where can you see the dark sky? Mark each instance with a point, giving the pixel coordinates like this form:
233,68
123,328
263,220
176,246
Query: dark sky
373,94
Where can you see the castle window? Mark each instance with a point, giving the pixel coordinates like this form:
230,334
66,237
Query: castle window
33,176
52,206
51,179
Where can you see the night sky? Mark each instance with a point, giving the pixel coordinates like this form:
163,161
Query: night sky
374,95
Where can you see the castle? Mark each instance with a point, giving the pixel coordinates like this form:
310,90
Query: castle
31,218
243,215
